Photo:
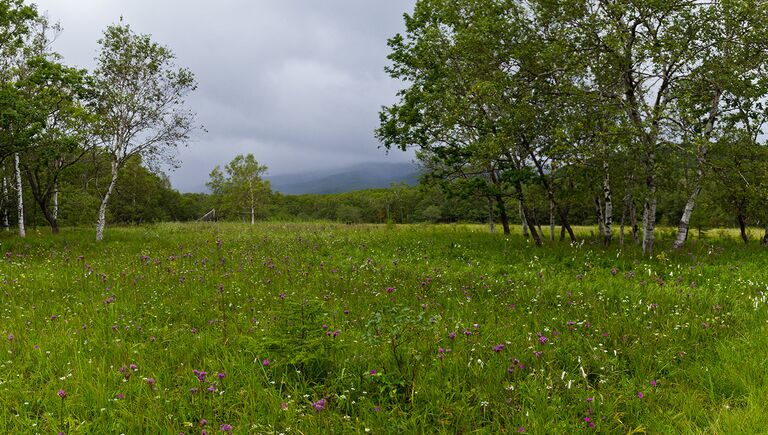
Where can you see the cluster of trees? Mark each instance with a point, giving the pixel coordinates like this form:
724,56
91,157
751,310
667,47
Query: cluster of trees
656,105
60,126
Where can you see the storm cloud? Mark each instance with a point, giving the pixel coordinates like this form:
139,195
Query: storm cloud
298,83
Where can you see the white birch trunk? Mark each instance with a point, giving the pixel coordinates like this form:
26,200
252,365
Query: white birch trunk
682,230
649,221
6,202
20,196
685,220
102,220
608,216
600,218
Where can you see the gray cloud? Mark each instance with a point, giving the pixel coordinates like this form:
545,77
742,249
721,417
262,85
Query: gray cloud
298,83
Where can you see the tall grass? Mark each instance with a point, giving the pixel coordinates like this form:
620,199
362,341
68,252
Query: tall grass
319,328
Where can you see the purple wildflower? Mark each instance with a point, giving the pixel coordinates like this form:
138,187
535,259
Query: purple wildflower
319,405
226,428
62,393
498,348
265,363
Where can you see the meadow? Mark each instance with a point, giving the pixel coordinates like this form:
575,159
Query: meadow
323,328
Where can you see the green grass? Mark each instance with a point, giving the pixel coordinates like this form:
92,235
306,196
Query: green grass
223,298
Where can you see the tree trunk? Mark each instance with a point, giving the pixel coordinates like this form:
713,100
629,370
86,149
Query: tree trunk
55,200
500,202
41,198
532,228
102,221
649,221
551,221
649,208
6,202
765,237
608,217
524,221
743,227
623,218
633,219
600,219
701,155
503,215
490,216
682,229
20,196
551,194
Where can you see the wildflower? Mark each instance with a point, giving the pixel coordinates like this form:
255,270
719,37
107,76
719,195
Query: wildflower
538,353
543,339
133,367
194,390
319,405
211,389
452,335
226,428
377,408
265,363
373,372
200,375
653,383
498,348
10,337
336,333
221,375
390,290
589,422
62,393
282,295
590,399
203,422
151,382
640,395
521,429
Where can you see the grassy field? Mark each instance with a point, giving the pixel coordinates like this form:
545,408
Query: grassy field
322,328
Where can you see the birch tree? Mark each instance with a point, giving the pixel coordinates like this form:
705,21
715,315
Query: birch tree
140,103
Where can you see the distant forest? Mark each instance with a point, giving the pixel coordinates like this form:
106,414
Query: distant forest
624,115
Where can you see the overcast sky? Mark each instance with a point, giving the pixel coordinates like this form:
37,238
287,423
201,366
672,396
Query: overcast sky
298,83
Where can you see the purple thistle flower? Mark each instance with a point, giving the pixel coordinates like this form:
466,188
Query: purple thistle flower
653,383
221,375
640,394
151,382
377,408
203,422
226,428
211,389
265,363
10,337
133,367
373,372
62,393
390,290
120,396
194,390
452,335
319,405
543,339
498,348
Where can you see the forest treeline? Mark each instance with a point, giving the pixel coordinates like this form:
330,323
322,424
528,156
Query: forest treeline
622,114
